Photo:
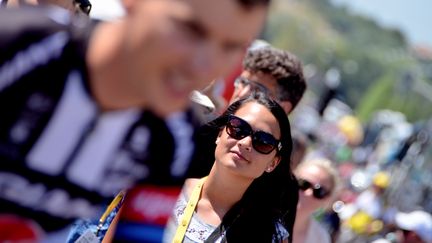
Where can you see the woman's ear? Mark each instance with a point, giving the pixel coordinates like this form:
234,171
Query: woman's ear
273,164
218,137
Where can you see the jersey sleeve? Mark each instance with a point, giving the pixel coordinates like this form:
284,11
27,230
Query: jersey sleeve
30,37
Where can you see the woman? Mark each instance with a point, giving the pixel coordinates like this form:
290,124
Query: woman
240,200
318,181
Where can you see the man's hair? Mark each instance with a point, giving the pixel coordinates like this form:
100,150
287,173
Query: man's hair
253,3
284,66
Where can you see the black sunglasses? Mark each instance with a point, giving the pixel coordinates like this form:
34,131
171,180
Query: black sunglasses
262,142
319,192
254,86
83,5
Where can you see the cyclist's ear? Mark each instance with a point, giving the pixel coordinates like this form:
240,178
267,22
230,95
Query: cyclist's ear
82,6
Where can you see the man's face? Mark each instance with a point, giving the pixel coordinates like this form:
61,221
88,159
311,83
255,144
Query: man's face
176,46
248,82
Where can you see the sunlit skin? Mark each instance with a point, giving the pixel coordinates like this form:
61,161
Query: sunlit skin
164,49
267,81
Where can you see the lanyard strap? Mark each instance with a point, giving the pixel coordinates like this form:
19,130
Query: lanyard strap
115,204
190,208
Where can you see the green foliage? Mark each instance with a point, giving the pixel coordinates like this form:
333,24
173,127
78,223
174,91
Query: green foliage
390,92
370,58
376,97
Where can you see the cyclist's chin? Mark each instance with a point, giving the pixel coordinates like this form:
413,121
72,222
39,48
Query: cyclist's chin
166,107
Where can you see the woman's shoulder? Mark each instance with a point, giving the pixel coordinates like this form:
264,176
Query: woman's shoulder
189,185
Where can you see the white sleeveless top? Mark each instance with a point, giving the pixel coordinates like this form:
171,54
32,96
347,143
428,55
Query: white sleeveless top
198,230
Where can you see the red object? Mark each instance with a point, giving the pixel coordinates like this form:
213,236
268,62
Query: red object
15,229
150,204
229,82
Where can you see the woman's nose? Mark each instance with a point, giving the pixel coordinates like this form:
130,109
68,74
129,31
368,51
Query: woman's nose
246,143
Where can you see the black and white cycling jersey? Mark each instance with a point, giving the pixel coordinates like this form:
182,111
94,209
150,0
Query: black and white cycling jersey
61,157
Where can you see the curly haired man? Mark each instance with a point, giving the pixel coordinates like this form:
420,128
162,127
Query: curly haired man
276,72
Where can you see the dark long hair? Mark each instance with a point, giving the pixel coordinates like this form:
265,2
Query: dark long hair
272,196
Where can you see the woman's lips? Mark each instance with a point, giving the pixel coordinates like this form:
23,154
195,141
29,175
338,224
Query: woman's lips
239,156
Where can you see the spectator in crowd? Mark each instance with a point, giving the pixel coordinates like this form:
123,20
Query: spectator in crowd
416,226
318,182
268,70
239,200
371,200
87,107
276,72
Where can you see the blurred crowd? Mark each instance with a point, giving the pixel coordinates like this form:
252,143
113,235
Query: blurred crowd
385,169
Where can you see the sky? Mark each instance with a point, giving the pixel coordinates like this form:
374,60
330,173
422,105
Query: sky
412,17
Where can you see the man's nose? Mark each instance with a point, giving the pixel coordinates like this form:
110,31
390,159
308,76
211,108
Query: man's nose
245,91
207,63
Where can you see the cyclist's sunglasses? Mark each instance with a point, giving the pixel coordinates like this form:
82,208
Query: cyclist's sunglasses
319,192
262,142
254,86
83,5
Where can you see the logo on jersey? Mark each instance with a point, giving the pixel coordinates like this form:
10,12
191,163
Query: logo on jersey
150,204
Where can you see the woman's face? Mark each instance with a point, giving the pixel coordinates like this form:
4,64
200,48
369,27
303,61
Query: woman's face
240,156
315,175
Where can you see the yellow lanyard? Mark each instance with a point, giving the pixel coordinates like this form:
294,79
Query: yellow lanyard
117,201
190,208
